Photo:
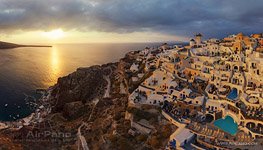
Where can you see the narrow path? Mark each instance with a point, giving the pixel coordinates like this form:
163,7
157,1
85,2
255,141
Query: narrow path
107,93
95,104
82,139
107,78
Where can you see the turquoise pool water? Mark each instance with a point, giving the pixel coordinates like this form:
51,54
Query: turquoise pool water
233,94
228,125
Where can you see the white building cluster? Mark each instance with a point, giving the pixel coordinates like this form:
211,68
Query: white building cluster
213,77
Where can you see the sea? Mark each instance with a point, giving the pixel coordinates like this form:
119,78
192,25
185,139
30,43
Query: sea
23,70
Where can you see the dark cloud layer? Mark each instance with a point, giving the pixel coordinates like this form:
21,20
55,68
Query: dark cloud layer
215,18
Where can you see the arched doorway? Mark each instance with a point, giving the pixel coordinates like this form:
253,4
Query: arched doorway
209,118
251,125
236,68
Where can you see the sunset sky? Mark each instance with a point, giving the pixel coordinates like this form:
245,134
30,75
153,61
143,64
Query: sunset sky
84,21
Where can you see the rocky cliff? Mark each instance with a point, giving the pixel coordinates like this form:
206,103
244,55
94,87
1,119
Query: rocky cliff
83,85
92,102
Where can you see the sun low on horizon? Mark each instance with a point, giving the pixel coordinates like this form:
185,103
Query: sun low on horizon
55,34
131,74
60,35
118,21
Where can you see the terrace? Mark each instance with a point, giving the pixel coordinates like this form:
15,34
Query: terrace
209,131
206,63
212,89
181,75
254,113
253,100
180,85
201,144
193,95
173,111
225,90
180,113
212,109
255,128
199,84
208,143
139,96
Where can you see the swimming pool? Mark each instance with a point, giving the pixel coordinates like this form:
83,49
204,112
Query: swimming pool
233,94
228,125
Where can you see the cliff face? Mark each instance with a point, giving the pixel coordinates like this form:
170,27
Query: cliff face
83,85
93,102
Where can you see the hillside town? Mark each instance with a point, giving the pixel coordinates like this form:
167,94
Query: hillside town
205,94
211,90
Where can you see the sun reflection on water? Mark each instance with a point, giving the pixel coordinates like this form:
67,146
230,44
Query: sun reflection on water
54,65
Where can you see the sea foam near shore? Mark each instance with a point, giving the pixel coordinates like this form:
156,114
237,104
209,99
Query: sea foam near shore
37,116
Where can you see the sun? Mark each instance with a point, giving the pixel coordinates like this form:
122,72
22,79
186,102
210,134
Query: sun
54,34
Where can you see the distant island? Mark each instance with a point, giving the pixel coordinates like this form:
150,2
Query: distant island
6,45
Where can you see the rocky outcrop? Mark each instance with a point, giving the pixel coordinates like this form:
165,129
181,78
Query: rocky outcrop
75,110
79,100
83,85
